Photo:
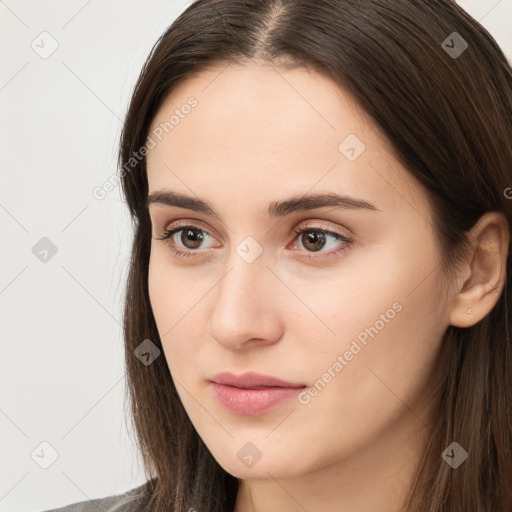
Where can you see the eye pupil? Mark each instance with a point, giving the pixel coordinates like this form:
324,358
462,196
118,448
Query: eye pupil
192,235
312,237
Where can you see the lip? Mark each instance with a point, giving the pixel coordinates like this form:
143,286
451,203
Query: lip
251,393
252,380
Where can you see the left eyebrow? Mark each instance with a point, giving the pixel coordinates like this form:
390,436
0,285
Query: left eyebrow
312,201
276,209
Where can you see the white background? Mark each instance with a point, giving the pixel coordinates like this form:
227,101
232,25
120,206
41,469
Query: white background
62,354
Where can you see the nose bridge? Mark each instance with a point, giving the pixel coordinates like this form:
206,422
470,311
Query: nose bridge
245,276
240,291
244,308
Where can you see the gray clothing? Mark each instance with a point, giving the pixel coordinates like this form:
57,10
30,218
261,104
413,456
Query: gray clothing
124,502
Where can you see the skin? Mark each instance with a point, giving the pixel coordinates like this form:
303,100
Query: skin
261,134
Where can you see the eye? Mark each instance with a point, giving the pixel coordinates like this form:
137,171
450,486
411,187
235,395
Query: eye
315,238
191,238
312,238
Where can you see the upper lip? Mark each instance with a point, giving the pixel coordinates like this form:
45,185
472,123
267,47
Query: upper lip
252,380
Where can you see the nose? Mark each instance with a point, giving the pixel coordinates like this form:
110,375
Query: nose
246,310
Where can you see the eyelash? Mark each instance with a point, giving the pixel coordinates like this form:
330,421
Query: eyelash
176,228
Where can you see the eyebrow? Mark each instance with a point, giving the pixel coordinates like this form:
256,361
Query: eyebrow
276,209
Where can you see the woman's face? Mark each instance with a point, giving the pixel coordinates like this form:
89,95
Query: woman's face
358,323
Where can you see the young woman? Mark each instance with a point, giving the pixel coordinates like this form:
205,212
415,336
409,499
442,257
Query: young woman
316,314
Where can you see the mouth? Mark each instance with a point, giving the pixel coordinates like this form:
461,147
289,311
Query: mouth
252,394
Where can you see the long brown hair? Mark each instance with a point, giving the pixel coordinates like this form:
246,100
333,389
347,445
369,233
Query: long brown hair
446,108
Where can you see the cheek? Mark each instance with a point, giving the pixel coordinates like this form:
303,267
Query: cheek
381,309
175,298
172,291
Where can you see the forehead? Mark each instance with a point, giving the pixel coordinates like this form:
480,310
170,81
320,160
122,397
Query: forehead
262,131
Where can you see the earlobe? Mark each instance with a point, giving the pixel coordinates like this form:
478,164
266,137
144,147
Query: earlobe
486,261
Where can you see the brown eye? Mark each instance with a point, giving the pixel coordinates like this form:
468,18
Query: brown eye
191,238
313,240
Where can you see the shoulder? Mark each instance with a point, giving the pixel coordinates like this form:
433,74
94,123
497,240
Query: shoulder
129,501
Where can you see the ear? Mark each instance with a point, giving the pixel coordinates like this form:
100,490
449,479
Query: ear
484,274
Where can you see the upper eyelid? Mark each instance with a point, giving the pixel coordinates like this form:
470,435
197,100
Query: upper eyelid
302,225
177,226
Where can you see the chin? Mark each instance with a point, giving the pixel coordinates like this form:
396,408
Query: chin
264,468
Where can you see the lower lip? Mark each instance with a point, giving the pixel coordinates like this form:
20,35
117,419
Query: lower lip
251,402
